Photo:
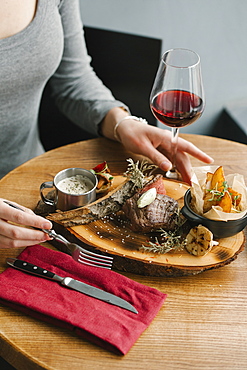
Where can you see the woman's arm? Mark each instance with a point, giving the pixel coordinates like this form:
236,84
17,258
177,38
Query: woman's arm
77,90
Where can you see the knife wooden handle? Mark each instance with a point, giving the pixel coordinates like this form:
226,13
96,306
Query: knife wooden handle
30,268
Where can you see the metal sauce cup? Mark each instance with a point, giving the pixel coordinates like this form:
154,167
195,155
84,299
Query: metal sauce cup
66,201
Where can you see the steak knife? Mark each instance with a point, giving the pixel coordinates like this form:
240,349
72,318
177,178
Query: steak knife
71,283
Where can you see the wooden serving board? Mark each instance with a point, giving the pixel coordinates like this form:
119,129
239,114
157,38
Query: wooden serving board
112,235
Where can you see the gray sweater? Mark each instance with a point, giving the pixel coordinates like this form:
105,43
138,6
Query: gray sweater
51,48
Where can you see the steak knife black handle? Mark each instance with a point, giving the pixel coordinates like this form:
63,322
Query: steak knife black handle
30,268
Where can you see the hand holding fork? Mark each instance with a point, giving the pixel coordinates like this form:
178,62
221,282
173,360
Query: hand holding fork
78,253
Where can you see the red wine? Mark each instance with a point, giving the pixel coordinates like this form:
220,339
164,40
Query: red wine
177,108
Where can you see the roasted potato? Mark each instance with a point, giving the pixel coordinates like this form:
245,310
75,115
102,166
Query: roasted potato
218,180
236,197
217,193
208,202
226,202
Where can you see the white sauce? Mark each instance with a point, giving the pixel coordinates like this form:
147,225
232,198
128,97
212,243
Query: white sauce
77,184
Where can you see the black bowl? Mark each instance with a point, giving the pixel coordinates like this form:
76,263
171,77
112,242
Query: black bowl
220,229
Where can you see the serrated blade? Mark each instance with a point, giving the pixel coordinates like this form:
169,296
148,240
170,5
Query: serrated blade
97,293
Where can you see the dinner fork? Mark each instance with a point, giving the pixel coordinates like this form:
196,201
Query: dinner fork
78,253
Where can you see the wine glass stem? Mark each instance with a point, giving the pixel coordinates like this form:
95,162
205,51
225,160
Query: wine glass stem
173,173
175,132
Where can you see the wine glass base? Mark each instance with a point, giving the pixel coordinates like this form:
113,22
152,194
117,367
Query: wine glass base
172,174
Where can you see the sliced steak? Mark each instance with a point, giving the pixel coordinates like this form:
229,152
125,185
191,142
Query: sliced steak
156,182
161,213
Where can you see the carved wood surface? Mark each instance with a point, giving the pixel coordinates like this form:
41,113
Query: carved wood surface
114,236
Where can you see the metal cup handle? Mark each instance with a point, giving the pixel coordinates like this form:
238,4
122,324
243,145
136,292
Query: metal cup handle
45,185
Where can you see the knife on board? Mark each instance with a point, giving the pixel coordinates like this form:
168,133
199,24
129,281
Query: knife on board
71,283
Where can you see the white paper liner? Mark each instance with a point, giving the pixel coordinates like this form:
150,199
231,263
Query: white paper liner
235,181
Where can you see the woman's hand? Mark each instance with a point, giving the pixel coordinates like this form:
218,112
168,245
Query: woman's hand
155,143
12,232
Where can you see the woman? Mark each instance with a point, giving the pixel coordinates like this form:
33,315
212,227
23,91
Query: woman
41,41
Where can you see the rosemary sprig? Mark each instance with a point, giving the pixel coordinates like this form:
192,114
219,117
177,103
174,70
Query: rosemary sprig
137,171
172,243
171,240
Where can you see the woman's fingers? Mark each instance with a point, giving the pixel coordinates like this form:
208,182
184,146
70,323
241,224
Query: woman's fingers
155,143
25,217
157,156
16,226
187,147
16,236
13,231
184,167
161,160
6,242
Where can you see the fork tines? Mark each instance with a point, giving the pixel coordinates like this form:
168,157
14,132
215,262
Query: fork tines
82,255
96,260
90,258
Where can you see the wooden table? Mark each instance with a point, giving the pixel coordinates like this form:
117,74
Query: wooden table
202,324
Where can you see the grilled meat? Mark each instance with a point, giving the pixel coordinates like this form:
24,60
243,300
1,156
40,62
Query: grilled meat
161,213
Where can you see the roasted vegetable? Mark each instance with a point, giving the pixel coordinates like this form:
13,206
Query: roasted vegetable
104,177
217,193
199,241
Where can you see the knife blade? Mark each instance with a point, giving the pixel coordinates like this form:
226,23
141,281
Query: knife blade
71,283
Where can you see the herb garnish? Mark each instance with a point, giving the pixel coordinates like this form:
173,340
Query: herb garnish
168,240
217,195
138,171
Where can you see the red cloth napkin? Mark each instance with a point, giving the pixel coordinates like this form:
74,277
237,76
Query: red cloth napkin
108,326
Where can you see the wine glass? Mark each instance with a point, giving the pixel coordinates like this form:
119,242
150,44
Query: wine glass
177,96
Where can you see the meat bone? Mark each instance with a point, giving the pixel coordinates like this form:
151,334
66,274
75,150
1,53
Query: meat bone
110,203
